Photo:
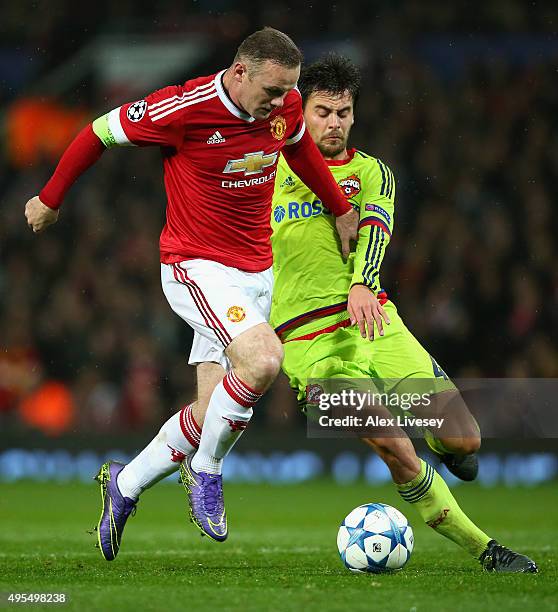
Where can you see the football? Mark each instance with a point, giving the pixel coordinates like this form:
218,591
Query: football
375,538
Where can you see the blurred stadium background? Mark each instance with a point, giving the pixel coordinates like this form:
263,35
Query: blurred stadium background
459,99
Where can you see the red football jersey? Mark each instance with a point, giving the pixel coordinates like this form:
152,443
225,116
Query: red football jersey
219,168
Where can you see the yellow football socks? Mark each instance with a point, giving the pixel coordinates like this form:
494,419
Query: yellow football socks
431,497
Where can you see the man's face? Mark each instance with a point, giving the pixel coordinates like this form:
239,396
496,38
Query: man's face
329,119
264,88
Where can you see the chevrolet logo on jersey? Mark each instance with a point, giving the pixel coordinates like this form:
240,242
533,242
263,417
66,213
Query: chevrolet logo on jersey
252,163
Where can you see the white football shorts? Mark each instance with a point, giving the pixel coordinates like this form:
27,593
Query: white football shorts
218,302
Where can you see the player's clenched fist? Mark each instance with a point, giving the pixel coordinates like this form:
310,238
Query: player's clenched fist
39,216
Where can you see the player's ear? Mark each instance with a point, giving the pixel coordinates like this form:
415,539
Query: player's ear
239,71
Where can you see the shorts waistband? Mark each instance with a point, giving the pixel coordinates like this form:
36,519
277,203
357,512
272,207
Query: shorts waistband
319,332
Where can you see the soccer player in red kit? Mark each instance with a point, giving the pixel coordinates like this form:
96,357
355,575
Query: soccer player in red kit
220,138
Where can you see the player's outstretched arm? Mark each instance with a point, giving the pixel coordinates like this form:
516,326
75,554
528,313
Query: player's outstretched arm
306,161
42,210
129,124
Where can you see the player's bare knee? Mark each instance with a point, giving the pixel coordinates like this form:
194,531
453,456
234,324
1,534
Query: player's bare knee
266,364
257,355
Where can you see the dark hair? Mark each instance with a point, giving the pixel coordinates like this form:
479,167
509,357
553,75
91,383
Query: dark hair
269,44
334,74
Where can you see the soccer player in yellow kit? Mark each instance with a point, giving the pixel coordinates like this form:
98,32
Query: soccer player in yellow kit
327,310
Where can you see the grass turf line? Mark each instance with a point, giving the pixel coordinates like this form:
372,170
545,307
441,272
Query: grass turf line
280,555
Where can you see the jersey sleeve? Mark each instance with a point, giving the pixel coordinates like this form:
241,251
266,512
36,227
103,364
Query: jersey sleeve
297,132
376,224
157,120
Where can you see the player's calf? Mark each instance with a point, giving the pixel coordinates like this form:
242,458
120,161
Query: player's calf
459,439
208,376
398,454
256,356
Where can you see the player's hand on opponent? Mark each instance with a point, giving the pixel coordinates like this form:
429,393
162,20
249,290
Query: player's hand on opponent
347,228
38,215
365,310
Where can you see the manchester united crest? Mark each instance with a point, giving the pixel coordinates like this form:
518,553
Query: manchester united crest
278,127
235,314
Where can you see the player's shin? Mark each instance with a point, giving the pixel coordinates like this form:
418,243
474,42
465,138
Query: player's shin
434,502
228,415
177,438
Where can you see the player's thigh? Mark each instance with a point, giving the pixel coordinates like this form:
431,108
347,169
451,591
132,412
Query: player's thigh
328,356
218,302
406,367
258,342
205,350
398,358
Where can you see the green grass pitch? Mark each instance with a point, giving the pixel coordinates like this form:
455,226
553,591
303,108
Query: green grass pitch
280,555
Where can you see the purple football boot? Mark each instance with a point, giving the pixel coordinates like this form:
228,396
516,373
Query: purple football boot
115,511
205,495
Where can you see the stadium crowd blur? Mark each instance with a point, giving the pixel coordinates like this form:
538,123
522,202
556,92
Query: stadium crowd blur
463,108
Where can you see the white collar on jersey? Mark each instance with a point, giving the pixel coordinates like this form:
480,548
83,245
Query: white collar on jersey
227,102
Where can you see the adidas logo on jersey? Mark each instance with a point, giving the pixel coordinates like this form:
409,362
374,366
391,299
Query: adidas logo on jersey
215,138
288,182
